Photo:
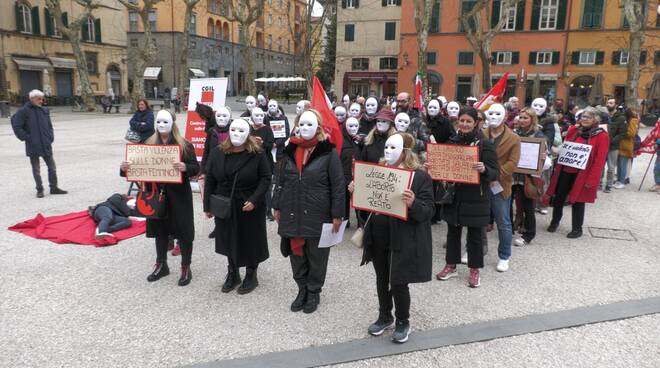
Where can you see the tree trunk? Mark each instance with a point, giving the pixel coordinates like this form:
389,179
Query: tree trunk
142,58
246,53
486,83
423,9
635,16
185,47
86,93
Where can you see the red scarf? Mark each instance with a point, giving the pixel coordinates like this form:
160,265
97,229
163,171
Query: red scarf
302,146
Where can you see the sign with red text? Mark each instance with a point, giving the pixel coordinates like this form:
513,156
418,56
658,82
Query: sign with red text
453,163
379,189
207,91
153,163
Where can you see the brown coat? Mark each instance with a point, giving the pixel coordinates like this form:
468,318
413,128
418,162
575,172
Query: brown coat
508,155
626,144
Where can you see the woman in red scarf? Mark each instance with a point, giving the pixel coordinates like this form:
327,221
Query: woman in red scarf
309,192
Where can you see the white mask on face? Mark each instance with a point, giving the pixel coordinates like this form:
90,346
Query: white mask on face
340,113
239,130
393,107
164,122
346,100
352,126
257,116
443,100
452,109
272,106
539,105
371,106
495,115
382,126
308,125
261,99
393,149
300,107
250,102
222,117
433,108
402,122
354,110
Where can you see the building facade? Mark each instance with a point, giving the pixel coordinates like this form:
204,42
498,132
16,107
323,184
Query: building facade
368,47
35,55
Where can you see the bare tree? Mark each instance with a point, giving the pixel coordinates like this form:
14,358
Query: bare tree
185,45
246,13
481,36
144,55
636,17
423,10
72,33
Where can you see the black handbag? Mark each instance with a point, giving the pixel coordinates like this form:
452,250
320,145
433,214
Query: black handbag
151,203
221,205
444,193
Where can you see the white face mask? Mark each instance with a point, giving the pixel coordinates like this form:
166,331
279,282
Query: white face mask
371,106
495,115
257,116
340,113
443,100
346,100
402,122
222,117
393,107
393,149
433,108
308,125
250,102
300,107
239,130
352,126
539,105
272,106
354,110
261,99
382,126
164,122
452,109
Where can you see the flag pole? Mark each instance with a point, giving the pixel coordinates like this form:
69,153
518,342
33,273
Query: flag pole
646,172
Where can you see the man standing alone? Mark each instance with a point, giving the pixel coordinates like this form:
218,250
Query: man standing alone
32,125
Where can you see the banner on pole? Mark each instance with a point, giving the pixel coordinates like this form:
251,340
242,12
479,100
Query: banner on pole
207,91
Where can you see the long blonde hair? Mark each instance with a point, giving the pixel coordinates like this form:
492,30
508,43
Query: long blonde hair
186,147
372,134
534,125
409,159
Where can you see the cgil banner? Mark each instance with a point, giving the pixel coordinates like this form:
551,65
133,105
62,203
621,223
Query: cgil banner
207,91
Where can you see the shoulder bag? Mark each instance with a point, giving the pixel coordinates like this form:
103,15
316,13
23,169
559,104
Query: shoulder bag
151,203
132,136
221,205
358,237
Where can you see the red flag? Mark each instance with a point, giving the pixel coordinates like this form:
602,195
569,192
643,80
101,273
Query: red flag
321,103
419,99
494,95
648,144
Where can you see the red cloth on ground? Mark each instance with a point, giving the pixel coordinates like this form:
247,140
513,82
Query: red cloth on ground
75,227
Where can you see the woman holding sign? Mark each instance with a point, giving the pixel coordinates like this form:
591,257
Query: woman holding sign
239,170
400,250
179,221
578,185
309,192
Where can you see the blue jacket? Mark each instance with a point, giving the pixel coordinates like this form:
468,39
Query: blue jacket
32,125
143,123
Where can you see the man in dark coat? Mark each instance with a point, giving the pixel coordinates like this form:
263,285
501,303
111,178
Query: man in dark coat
32,125
417,126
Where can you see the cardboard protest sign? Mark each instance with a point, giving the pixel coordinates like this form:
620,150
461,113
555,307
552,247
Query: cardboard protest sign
574,155
453,163
531,156
207,91
279,128
380,189
153,163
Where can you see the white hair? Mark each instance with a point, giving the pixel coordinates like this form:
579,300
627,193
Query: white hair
35,93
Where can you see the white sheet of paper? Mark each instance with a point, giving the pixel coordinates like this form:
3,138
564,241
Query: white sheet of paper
328,238
496,187
529,156
278,128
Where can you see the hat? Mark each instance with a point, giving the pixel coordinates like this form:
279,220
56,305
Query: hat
385,114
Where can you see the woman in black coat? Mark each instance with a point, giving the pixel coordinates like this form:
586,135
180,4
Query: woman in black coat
350,151
179,222
471,204
374,143
400,251
239,163
309,192
142,120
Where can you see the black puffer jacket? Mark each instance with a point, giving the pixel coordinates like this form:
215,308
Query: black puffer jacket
309,199
440,127
349,151
374,152
32,125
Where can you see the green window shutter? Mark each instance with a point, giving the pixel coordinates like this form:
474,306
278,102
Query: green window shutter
515,57
600,57
532,58
84,30
575,57
561,14
65,19
19,19
555,57
616,57
357,4
493,58
390,31
383,3
97,30
49,22
520,16
642,58
343,4
495,15
36,25
434,25
349,32
398,2
536,13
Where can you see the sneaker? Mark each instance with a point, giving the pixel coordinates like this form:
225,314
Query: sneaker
542,211
176,251
475,279
102,235
464,258
384,322
502,265
520,242
619,185
401,331
655,188
448,272
608,189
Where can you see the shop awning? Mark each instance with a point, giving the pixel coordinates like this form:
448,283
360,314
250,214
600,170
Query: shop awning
62,63
151,72
197,73
32,64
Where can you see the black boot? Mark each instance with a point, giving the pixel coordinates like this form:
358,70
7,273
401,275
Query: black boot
212,234
186,276
300,300
232,281
40,193
250,282
313,300
56,190
160,270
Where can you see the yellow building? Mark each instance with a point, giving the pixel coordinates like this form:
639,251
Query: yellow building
597,50
35,55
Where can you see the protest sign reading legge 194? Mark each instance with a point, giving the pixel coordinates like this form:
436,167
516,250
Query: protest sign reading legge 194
379,189
453,163
153,163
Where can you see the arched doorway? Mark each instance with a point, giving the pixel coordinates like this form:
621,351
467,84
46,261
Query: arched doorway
579,90
113,75
434,83
218,30
210,30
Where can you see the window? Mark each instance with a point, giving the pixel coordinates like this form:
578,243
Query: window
351,4
391,2
390,31
279,44
587,58
388,63
503,57
213,73
466,6
544,58
23,18
656,58
465,58
132,21
288,46
134,43
88,30
270,19
623,57
509,14
548,15
193,44
270,41
193,24
349,32
463,88
279,22
152,19
431,58
360,64
92,62
592,15
51,25
434,24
